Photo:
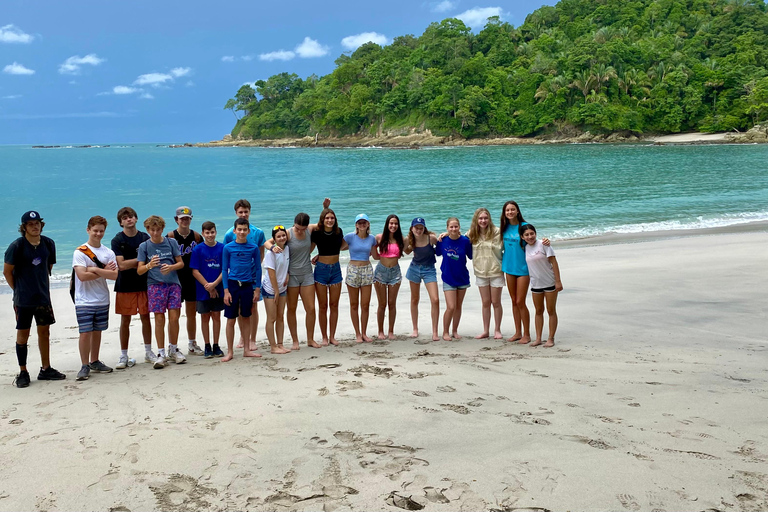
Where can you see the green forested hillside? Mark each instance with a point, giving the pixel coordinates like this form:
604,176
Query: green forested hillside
660,66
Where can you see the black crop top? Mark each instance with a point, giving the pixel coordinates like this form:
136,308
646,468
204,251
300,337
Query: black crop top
328,244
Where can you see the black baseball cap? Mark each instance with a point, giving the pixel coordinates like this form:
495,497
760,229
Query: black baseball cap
30,216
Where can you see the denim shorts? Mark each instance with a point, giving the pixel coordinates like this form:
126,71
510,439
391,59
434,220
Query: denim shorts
295,280
326,274
267,295
419,273
387,275
449,288
359,276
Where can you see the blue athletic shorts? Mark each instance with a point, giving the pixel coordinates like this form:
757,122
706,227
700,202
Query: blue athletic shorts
242,300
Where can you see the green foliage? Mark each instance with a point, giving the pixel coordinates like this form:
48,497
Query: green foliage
604,65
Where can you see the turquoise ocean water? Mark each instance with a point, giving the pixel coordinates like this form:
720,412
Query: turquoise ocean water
567,191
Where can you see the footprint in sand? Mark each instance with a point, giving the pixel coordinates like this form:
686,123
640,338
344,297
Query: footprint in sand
446,389
460,409
628,501
404,502
182,492
420,393
323,391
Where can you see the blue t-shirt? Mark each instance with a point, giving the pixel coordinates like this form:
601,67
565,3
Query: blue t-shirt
256,237
167,250
513,261
359,248
454,264
239,262
207,261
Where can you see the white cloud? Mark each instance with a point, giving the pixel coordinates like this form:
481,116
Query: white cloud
444,6
71,66
278,55
358,40
17,69
124,89
13,34
247,58
228,58
309,48
153,79
477,18
12,96
146,96
179,72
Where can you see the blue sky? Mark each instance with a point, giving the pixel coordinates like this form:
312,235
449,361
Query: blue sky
161,71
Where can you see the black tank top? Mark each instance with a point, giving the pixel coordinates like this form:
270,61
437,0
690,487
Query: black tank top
328,244
424,255
186,244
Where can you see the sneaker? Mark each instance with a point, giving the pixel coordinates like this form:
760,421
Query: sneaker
208,352
22,379
194,349
122,363
150,357
99,367
159,363
84,373
178,358
217,352
50,373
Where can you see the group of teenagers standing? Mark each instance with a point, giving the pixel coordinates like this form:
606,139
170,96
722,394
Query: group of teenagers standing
155,274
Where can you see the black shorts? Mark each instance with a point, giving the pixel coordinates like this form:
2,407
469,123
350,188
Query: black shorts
242,300
210,305
43,316
188,287
543,290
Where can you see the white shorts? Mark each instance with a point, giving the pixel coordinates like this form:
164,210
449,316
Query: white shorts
493,282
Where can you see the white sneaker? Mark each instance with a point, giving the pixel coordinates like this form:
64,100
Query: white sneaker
159,363
178,358
194,349
122,363
150,357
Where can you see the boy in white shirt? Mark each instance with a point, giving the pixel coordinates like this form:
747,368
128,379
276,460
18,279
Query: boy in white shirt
92,265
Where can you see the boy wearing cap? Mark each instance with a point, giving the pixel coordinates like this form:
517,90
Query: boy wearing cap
27,267
187,240
130,288
255,236
93,264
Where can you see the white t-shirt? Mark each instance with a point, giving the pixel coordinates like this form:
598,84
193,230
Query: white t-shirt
279,263
539,267
96,292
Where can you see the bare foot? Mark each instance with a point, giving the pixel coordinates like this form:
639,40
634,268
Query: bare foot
414,334
391,336
456,336
481,336
248,353
549,343
333,341
435,336
279,350
498,336
312,344
536,343
359,338
367,338
516,337
524,340
295,346
252,345
324,343
381,336
240,344
446,337
227,357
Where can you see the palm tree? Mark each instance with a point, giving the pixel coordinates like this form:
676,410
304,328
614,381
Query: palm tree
584,81
603,75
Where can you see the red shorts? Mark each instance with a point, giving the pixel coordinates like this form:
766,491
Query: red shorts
131,303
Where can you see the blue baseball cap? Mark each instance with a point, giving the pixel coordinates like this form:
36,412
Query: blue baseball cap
360,217
418,221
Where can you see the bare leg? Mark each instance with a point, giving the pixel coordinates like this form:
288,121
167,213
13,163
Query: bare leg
205,321
270,307
538,304
381,296
498,312
95,346
434,301
354,303
160,330
512,288
146,329
333,303
230,340
125,331
293,303
190,309
552,313
485,298
322,311
457,314
392,291
280,321
525,316
365,308
216,318
85,347
173,325
450,308
245,326
308,300
44,345
415,296
254,323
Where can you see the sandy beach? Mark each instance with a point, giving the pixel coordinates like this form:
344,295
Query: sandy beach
653,399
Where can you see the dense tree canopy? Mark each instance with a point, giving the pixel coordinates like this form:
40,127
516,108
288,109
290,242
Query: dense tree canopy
660,66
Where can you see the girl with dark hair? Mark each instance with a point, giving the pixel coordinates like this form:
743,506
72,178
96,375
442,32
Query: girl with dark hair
421,243
387,276
300,281
545,281
515,269
329,239
274,288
